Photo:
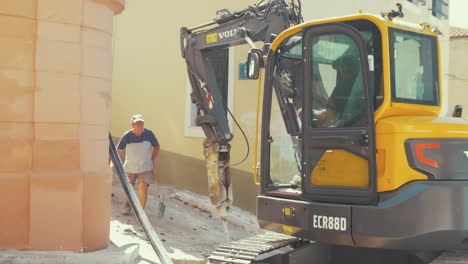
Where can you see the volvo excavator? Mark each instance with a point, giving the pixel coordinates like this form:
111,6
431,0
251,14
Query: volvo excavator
355,154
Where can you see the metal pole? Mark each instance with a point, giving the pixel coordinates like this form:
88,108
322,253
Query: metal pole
135,203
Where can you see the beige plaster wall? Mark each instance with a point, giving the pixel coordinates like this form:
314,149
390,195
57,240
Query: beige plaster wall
458,74
149,72
55,81
150,78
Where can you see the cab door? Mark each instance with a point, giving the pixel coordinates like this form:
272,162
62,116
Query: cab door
339,148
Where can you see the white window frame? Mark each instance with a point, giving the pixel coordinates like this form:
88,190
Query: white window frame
190,129
439,13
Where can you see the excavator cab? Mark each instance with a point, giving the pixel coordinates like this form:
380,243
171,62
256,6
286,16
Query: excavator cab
353,149
329,119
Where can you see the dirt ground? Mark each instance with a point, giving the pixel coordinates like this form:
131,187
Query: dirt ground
188,229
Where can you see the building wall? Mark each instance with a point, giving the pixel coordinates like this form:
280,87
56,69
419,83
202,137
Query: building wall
55,83
150,78
458,75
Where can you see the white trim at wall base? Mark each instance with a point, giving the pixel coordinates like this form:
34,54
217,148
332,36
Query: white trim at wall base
190,130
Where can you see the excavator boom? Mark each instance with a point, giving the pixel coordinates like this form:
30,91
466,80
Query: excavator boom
204,49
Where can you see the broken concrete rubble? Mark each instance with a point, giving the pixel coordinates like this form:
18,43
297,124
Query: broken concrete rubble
189,228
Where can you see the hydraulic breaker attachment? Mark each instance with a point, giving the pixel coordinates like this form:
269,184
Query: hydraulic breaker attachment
219,178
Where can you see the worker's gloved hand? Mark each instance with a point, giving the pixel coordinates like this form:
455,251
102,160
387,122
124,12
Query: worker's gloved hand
321,117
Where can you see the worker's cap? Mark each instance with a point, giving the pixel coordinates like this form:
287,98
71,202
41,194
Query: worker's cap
136,118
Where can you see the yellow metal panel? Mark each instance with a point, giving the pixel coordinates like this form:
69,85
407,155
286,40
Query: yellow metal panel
342,169
393,169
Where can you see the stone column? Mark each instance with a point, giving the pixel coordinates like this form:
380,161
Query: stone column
55,103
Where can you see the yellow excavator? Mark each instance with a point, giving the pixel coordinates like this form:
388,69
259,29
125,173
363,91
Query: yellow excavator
354,150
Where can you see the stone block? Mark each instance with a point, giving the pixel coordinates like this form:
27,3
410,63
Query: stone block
96,99
57,98
51,131
58,56
17,95
94,155
14,222
57,31
16,141
96,201
97,62
24,8
94,132
68,12
17,27
56,211
17,53
94,148
98,15
57,148
96,38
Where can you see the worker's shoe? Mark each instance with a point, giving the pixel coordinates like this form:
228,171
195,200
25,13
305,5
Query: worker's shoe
162,208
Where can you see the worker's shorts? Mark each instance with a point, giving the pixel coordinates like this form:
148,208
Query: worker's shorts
141,176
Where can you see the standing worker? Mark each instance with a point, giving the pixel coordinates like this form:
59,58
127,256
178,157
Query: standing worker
141,149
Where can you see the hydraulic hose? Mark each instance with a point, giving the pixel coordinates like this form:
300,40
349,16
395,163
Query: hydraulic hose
156,243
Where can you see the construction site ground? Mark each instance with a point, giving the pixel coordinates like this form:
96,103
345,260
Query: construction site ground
188,229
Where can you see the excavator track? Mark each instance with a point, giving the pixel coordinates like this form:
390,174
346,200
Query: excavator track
249,249
258,249
452,257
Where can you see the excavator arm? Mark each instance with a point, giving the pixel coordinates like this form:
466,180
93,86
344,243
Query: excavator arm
204,49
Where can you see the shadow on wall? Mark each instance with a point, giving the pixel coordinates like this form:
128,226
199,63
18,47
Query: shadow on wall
190,173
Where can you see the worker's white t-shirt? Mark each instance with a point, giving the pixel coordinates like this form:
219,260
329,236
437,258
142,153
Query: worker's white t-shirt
138,151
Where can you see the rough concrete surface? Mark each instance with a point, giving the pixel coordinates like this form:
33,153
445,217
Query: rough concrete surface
188,229
112,254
